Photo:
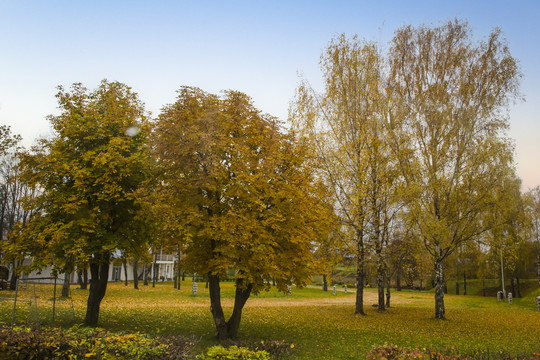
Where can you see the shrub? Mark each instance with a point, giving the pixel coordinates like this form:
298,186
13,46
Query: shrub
89,343
392,352
233,353
275,348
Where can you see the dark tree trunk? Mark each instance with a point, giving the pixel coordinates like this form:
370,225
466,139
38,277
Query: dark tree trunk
99,273
273,281
324,283
178,269
215,307
227,329
398,279
156,267
360,253
388,291
124,264
14,277
85,279
240,298
464,283
175,281
512,286
518,288
183,275
206,285
457,287
135,274
439,289
145,275
65,286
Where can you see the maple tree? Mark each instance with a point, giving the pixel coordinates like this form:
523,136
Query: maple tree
90,172
240,187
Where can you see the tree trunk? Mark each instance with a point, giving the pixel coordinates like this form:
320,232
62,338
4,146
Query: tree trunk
14,277
178,269
388,291
135,275
240,298
145,274
360,253
65,286
513,286
464,283
155,271
206,285
124,264
380,285
457,287
324,283
439,289
483,287
518,288
398,279
215,307
99,272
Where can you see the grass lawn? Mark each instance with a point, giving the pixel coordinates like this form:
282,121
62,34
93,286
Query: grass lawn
320,325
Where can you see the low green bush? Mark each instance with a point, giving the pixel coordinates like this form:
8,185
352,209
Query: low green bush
88,343
233,353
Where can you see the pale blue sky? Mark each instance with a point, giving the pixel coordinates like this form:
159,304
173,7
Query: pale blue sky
257,47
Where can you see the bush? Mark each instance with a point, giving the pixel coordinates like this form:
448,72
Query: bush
392,352
276,349
233,353
89,343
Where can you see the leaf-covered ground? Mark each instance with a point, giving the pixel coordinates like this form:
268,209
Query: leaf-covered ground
320,325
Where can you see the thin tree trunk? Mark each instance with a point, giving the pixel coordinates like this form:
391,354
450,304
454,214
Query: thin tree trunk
85,279
324,283
518,288
439,289
155,275
512,286
135,274
360,253
457,287
398,279
145,274
464,283
124,264
178,269
388,291
65,286
98,285
14,277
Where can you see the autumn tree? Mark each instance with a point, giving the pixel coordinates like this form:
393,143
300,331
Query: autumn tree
240,185
448,121
13,216
90,171
346,126
532,205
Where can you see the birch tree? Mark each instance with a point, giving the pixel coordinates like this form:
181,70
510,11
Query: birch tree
449,121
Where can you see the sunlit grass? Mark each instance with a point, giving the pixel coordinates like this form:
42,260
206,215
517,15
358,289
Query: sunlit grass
319,324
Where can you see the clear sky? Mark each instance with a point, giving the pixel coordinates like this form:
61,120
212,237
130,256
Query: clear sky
258,47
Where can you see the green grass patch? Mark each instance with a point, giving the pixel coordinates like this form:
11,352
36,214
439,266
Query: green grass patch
318,324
